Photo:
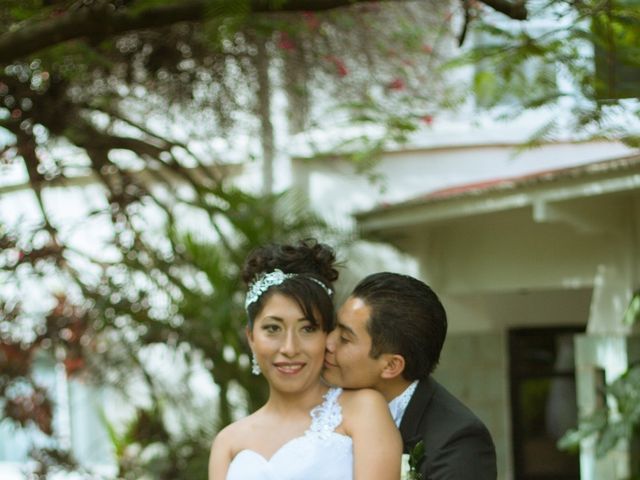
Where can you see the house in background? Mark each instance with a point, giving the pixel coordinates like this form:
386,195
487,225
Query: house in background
528,253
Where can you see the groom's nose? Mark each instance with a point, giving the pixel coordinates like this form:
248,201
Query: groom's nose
331,342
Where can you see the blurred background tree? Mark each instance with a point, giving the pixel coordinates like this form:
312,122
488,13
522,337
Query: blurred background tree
139,125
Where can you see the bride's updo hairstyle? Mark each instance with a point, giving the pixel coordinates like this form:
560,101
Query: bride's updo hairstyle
307,272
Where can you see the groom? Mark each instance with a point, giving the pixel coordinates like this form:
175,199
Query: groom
389,336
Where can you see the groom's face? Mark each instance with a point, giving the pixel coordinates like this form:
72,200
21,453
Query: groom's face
347,362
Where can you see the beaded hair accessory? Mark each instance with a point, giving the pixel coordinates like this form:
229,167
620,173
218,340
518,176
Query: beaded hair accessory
267,280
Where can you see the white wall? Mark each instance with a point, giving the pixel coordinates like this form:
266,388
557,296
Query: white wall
526,308
508,251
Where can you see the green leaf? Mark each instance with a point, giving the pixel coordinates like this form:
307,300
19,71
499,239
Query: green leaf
632,313
416,457
485,87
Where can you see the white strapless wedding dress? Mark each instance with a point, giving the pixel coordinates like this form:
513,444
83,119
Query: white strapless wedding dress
319,454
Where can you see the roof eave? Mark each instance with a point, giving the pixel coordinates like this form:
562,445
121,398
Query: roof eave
436,210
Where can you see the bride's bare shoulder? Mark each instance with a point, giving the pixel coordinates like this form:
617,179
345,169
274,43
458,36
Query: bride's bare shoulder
363,397
362,405
235,431
226,444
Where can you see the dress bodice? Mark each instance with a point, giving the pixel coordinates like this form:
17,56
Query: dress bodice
319,454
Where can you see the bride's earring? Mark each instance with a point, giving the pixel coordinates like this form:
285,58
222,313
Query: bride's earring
255,368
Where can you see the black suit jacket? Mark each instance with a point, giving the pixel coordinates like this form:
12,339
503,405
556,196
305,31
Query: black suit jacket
458,446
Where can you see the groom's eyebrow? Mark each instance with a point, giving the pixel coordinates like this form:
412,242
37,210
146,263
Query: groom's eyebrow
349,330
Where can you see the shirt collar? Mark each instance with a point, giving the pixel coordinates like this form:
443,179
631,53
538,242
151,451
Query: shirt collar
398,405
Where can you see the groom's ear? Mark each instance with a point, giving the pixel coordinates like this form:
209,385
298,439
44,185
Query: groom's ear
394,366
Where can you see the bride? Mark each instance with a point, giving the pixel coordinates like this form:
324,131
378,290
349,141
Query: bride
306,430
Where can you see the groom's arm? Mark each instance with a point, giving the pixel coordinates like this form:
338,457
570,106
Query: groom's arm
468,454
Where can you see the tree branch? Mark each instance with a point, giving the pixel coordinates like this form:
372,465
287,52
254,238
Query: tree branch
516,9
100,20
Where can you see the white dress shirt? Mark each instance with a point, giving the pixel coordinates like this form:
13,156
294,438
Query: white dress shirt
398,405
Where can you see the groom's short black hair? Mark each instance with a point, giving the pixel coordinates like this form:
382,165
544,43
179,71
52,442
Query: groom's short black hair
407,318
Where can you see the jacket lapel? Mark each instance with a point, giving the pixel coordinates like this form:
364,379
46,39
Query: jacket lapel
410,426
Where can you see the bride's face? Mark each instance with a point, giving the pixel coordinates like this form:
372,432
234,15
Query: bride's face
288,347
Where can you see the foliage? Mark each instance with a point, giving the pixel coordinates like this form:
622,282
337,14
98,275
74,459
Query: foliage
609,427
619,418
582,58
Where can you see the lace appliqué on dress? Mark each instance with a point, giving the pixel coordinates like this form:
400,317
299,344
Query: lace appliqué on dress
327,416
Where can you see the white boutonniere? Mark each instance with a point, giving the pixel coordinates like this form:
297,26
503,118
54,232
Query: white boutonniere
411,462
404,467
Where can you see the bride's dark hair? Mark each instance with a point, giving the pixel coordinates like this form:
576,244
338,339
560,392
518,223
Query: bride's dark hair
309,260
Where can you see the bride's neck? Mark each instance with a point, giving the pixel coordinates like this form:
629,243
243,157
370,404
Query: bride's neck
301,401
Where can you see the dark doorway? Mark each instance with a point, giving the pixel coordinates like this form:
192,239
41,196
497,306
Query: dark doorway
543,401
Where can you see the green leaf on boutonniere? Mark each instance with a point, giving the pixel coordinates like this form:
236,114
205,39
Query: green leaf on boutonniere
416,456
